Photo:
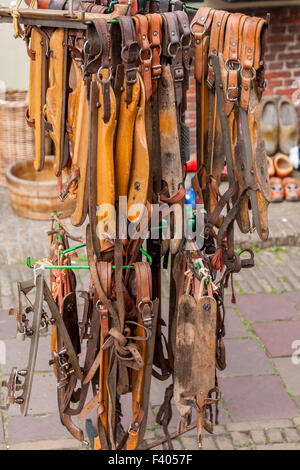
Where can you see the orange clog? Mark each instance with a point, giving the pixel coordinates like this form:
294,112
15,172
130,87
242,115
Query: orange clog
283,165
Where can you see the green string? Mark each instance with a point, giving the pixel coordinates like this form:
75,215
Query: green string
63,252
58,227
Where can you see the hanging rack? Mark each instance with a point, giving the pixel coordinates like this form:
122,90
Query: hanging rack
68,19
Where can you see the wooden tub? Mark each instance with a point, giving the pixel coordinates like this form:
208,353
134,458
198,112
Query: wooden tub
34,194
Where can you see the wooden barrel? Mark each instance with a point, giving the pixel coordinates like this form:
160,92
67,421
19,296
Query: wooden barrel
34,194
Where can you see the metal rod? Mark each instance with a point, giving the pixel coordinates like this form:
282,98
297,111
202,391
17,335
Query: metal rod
77,266
67,266
191,7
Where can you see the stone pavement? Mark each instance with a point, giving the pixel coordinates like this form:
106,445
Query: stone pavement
260,386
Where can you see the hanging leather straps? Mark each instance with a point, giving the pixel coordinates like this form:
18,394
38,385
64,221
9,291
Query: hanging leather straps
104,71
250,57
216,41
124,32
155,38
172,49
144,292
200,27
232,58
145,52
185,43
104,271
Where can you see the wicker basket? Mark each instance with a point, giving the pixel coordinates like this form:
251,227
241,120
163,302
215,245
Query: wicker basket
16,138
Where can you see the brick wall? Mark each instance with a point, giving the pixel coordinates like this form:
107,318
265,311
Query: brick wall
283,52
282,59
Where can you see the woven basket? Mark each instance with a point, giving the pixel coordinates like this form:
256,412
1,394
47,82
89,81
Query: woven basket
16,138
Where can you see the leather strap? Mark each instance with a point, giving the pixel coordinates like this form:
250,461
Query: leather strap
224,199
223,119
104,271
164,6
133,428
164,414
98,286
145,52
250,56
216,41
185,36
104,72
185,42
92,164
155,39
200,26
89,359
172,436
144,292
231,56
172,49
124,32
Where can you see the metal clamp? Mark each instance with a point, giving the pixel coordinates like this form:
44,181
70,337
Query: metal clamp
13,385
60,359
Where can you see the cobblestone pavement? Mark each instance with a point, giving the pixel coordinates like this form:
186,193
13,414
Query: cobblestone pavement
260,386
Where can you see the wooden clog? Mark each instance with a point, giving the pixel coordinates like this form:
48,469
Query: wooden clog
283,165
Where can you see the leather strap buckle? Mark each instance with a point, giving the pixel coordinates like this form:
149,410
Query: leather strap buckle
229,90
147,320
131,79
136,423
178,73
144,302
156,67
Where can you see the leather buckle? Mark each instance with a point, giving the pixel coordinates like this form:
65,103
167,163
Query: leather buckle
178,74
136,423
228,98
130,80
142,303
132,431
155,75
